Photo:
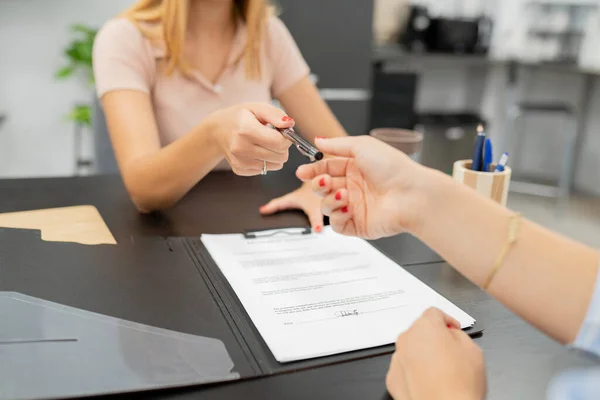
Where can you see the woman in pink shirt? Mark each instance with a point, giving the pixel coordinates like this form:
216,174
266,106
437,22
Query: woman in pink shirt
186,87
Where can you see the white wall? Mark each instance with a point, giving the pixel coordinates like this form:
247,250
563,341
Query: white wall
35,140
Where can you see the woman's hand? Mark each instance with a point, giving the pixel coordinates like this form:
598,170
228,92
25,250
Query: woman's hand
301,199
434,359
245,140
371,190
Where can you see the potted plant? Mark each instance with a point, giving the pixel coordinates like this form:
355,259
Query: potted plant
79,64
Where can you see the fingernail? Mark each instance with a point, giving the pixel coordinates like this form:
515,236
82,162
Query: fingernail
345,209
450,326
320,138
318,229
322,182
338,196
287,119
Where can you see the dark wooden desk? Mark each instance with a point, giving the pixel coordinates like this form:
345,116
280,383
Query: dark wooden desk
221,203
521,361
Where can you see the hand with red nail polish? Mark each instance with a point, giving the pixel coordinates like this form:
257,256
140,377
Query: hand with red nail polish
368,187
321,185
244,139
430,352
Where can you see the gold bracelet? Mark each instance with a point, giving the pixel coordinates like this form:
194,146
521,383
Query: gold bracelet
513,230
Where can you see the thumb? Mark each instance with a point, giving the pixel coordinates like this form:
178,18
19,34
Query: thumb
268,114
347,147
279,204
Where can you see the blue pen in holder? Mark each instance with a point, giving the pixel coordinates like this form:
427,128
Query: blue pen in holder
488,156
478,154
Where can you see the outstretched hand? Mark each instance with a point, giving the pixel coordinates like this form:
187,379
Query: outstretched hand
370,189
301,199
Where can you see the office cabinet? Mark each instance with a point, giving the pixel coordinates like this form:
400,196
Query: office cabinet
335,38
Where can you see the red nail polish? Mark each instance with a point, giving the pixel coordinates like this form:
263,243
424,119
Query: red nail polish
338,196
450,326
287,119
320,137
322,182
318,229
344,210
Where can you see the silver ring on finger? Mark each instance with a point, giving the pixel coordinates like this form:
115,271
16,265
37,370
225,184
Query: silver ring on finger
264,170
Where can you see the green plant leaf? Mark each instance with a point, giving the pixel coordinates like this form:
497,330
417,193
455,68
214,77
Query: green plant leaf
79,53
81,114
85,49
65,72
72,54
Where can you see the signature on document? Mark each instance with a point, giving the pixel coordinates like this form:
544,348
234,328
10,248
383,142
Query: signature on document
347,313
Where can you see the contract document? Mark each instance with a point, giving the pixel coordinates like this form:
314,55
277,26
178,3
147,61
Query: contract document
313,295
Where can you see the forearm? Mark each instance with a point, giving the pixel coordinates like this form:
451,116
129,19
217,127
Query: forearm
312,114
545,278
159,180
318,120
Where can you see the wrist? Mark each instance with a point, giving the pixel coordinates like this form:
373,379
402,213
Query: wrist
210,131
428,193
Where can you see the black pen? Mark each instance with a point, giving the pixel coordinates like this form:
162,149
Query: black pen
303,146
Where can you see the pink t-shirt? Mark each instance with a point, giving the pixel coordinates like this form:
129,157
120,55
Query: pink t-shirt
125,59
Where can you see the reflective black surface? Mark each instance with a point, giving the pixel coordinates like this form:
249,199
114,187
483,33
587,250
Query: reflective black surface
520,360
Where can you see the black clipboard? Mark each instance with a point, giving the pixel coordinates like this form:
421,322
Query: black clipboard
89,273
239,320
266,233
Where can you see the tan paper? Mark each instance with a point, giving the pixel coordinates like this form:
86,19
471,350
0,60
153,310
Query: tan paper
78,224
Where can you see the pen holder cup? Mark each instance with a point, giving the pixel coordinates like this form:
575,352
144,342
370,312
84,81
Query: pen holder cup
493,185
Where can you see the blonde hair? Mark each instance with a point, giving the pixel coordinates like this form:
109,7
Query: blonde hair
169,20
